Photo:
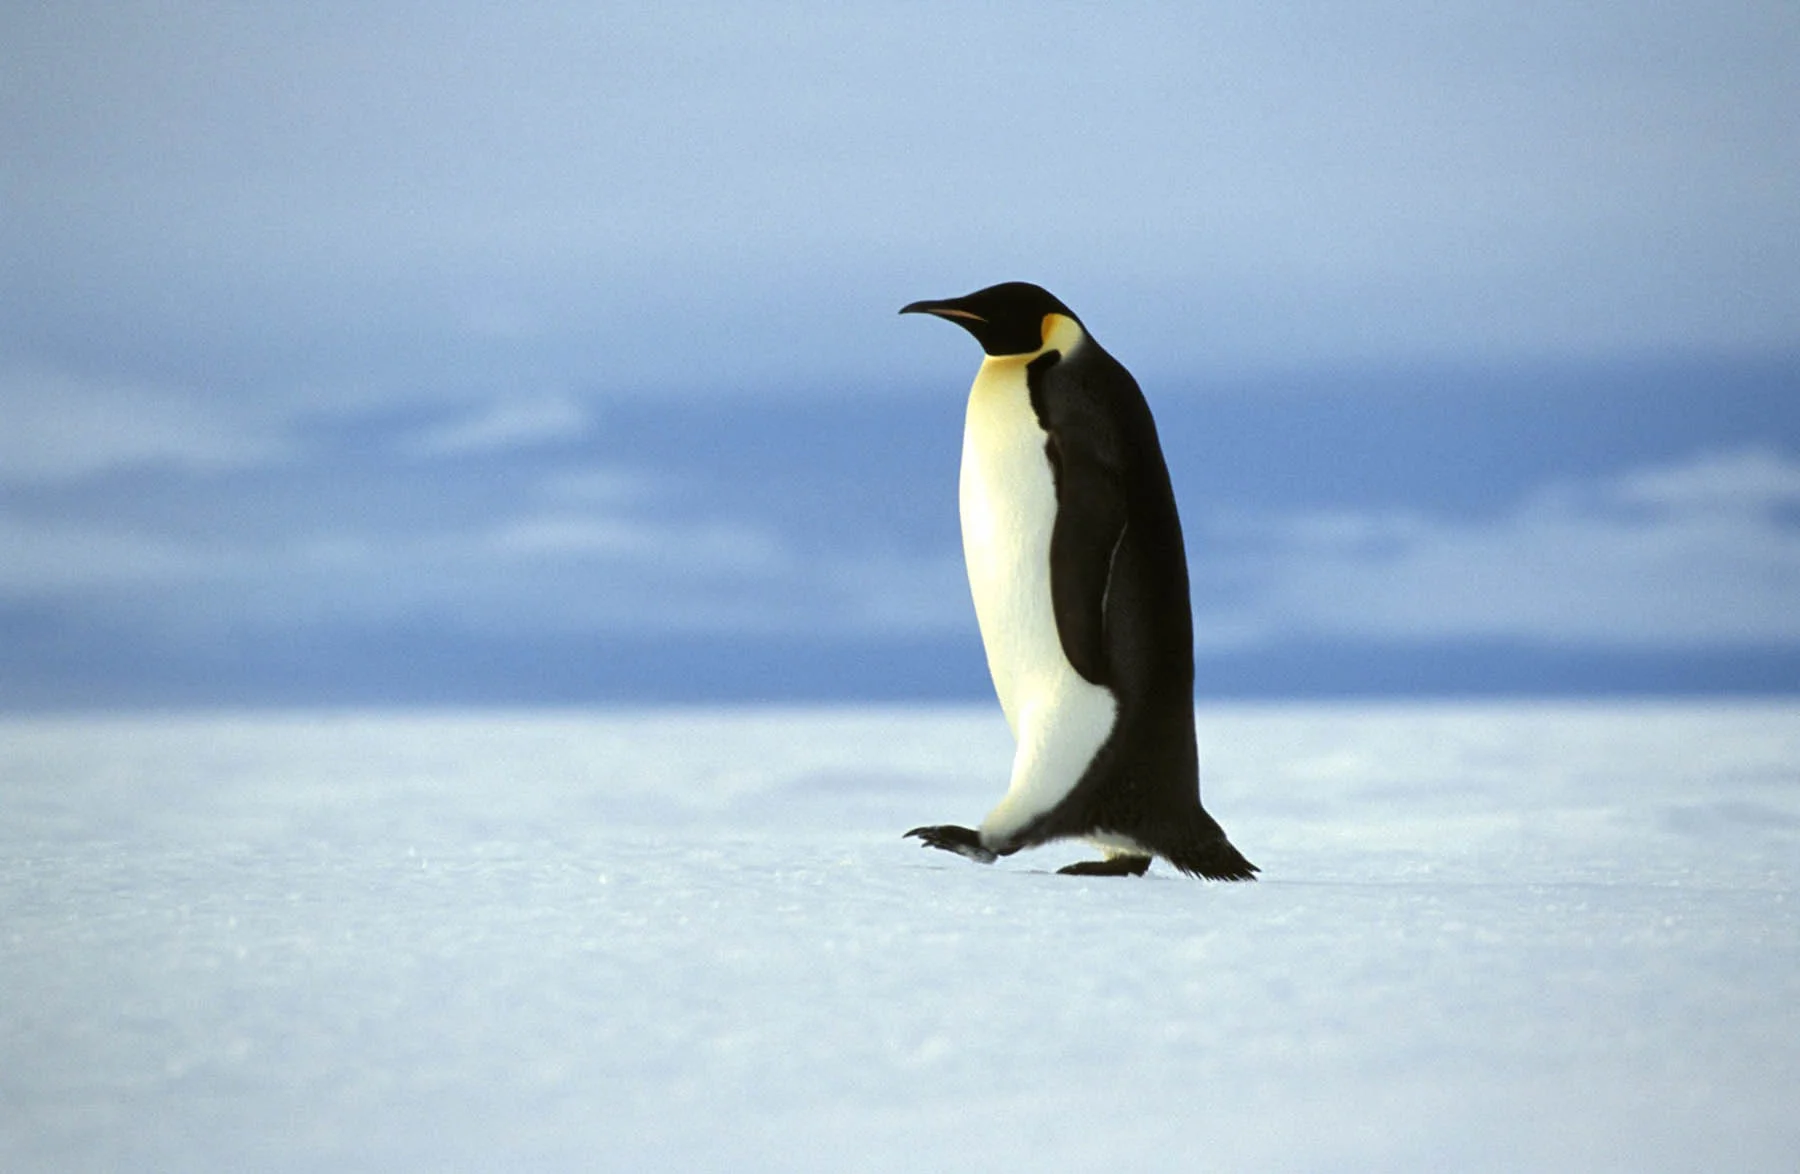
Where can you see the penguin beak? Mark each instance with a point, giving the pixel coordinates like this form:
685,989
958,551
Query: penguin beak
942,310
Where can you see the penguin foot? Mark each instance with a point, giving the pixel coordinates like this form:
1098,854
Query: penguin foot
949,837
1111,866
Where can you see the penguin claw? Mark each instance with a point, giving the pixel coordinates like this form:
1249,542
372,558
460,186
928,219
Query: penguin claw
960,840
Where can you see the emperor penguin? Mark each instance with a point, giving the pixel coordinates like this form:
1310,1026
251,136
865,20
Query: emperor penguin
1080,581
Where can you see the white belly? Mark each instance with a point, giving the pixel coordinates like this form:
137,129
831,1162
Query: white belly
1008,503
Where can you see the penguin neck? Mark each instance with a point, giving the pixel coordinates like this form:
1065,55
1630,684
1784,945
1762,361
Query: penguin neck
1060,333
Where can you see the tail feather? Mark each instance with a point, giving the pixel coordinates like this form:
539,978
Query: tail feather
1214,859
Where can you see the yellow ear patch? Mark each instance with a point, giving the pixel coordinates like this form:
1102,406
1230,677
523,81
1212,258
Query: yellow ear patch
1060,333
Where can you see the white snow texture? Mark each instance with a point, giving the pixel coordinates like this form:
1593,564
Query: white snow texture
1488,938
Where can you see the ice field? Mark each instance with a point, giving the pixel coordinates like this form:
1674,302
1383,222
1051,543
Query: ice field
1488,938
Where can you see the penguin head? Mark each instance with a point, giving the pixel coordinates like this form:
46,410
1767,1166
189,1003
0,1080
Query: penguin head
1013,318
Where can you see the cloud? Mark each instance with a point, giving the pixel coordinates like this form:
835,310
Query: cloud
1704,552
893,592
594,551
533,573
596,486
505,424
58,559
1753,480
62,427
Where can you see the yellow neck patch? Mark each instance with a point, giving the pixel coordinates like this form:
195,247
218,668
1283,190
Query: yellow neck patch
1060,333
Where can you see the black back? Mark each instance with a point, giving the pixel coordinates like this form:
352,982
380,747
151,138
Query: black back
1119,589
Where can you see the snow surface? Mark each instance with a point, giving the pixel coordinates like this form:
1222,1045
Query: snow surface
1507,937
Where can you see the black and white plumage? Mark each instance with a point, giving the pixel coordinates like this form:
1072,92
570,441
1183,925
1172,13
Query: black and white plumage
1080,582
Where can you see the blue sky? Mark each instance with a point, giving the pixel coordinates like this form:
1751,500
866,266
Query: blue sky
417,353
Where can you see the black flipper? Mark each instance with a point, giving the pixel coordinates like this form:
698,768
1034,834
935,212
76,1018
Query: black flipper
960,840
1085,461
1090,523
1111,866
